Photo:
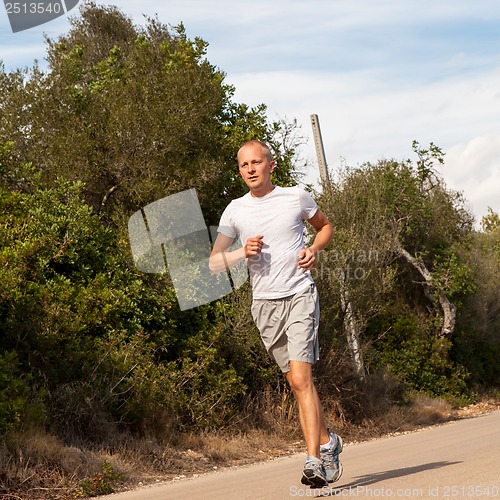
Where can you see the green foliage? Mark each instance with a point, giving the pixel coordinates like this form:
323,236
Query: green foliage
490,222
102,482
379,211
15,404
453,276
410,350
111,350
126,115
427,159
477,342
136,113
59,289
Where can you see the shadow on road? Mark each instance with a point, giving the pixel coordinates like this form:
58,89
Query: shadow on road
377,477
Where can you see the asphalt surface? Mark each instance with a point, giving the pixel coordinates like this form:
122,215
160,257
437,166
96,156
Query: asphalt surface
456,460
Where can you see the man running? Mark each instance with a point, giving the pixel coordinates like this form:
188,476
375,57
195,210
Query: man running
285,307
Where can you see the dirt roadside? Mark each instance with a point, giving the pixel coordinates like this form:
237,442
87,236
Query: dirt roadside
459,455
190,462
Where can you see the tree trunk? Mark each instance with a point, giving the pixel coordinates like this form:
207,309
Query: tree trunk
449,309
351,330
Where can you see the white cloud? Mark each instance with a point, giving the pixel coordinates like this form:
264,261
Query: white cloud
333,15
363,118
474,168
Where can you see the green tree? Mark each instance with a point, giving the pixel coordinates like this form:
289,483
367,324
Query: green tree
398,236
490,222
478,337
107,349
125,115
136,113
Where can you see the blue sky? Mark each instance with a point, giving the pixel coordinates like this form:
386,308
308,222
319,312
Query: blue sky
377,73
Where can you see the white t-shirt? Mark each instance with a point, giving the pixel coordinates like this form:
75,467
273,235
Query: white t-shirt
278,216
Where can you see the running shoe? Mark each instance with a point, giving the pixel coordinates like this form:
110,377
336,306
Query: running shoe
330,459
314,474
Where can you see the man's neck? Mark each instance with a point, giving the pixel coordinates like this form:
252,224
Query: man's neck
261,192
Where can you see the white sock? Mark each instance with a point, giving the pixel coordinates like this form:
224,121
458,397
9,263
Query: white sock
331,443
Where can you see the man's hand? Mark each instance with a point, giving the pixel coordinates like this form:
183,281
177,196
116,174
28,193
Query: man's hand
307,258
253,246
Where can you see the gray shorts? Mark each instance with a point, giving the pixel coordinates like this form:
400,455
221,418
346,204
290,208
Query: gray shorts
289,326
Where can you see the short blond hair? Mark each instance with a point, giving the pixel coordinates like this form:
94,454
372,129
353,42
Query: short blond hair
262,144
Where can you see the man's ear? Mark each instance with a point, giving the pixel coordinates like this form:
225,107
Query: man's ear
272,166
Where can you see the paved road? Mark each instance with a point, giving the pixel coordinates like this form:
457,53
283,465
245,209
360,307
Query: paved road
456,460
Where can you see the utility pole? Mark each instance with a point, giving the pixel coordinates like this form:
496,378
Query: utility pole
320,151
350,325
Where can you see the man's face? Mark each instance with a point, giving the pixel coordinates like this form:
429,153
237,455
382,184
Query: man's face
256,168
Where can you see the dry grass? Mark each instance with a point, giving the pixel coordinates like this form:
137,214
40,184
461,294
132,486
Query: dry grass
34,465
425,410
37,465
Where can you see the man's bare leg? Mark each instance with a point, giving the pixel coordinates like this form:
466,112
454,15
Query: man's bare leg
312,420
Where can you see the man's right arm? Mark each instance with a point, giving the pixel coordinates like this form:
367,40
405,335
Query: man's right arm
221,260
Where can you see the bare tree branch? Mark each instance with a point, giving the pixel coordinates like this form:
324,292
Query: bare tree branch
449,309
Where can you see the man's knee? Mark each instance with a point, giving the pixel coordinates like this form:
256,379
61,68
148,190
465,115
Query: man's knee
300,377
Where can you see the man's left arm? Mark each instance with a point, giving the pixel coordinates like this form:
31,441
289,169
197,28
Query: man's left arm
324,233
